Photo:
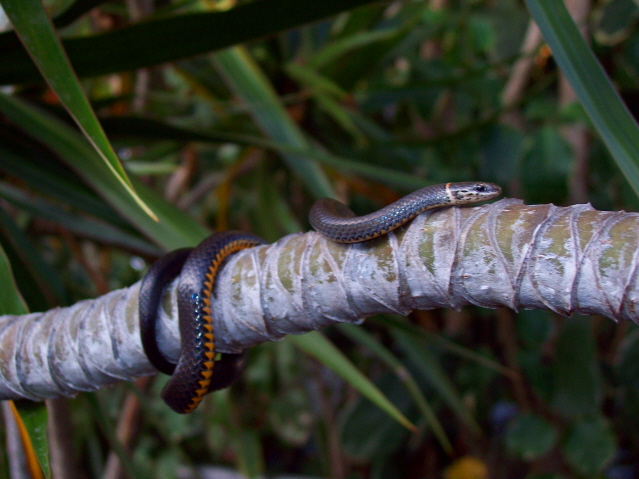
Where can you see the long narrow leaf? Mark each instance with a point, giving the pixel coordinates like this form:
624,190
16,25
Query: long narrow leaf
174,230
317,345
153,129
33,429
431,371
88,227
359,334
11,301
46,175
36,32
345,45
439,341
601,101
154,41
247,81
38,280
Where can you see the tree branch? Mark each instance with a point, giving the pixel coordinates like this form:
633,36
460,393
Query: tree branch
506,254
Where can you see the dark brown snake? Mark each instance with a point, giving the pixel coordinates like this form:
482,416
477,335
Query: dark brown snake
193,375
337,222
196,372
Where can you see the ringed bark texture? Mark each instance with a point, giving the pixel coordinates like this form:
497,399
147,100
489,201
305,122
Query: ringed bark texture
506,254
564,259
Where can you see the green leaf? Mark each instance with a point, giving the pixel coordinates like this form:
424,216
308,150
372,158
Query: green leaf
343,46
340,115
273,216
174,230
44,173
147,128
441,342
359,334
43,289
152,42
601,101
251,454
11,301
245,78
530,436
36,32
431,370
88,227
313,80
576,374
318,346
35,418
368,433
590,445
628,365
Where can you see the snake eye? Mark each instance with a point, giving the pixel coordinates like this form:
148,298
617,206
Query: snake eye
480,188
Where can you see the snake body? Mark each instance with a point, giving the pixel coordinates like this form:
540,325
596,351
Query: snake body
161,273
196,372
192,377
336,221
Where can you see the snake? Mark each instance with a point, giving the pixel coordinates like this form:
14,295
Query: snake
196,373
337,222
192,377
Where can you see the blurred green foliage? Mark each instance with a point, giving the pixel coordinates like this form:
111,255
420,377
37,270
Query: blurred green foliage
368,101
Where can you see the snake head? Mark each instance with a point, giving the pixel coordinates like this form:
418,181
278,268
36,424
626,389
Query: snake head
472,191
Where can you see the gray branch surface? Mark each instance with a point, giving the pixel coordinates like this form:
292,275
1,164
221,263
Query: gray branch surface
506,254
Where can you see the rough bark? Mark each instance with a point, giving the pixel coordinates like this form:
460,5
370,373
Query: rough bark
506,254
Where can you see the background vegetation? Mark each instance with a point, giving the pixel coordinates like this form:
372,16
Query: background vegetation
368,102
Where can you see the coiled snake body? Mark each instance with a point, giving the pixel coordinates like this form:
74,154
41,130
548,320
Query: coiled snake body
196,372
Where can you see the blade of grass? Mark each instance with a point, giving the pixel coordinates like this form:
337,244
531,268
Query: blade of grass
153,129
248,82
358,334
11,301
152,42
601,101
446,344
175,228
35,30
310,78
344,45
42,286
87,227
430,369
33,430
318,346
273,216
48,176
340,115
